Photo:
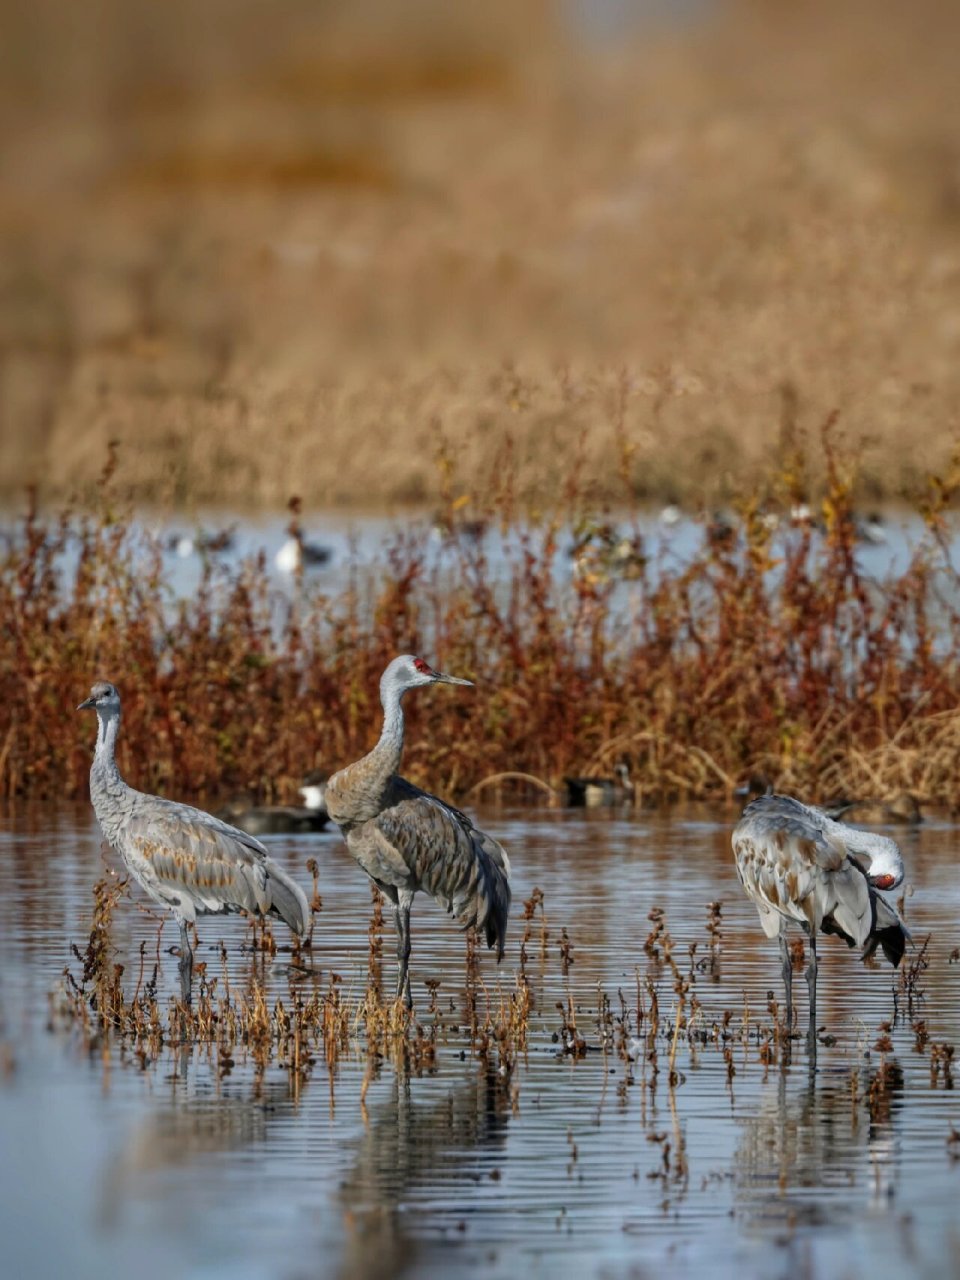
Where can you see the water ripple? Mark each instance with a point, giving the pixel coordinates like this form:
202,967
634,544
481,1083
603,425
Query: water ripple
592,1163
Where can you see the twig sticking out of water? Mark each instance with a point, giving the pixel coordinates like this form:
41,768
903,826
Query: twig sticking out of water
908,984
532,905
941,1065
715,933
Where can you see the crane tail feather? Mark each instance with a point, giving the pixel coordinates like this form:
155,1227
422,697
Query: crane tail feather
287,900
891,940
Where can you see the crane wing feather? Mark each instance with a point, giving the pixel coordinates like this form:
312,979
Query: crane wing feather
196,863
418,842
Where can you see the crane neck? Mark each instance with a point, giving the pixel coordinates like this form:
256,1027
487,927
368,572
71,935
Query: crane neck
104,774
389,749
361,790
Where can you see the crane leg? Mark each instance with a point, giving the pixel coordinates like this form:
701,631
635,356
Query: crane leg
786,965
812,989
186,963
403,953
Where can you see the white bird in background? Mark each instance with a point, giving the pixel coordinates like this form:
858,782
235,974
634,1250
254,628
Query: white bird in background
201,542
295,554
797,864
314,791
671,515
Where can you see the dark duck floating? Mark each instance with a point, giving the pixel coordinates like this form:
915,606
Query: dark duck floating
901,810
597,793
283,819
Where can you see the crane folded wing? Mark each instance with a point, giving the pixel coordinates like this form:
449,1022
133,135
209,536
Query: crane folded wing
198,864
448,857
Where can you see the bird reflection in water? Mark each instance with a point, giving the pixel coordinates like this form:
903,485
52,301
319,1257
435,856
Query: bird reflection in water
413,1151
798,1147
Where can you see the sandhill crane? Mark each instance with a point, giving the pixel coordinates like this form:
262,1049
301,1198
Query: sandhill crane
187,860
407,840
798,864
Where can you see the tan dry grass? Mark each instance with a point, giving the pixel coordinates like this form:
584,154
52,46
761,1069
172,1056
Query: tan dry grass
290,258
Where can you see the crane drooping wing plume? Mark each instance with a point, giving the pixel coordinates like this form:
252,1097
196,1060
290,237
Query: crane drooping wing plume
789,867
199,864
465,869
796,861
889,933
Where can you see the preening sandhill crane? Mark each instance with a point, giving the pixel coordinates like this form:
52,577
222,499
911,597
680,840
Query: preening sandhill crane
798,864
408,840
187,860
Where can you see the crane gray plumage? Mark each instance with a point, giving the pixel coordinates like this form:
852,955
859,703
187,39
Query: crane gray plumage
187,860
408,840
797,864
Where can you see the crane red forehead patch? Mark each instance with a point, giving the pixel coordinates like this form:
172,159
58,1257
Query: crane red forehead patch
423,667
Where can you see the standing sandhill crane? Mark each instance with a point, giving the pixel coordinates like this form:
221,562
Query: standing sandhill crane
408,840
187,860
796,863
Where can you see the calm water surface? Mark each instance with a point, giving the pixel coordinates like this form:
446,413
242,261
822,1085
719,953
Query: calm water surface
357,544
111,1163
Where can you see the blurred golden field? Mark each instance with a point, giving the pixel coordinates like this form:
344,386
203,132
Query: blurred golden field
306,247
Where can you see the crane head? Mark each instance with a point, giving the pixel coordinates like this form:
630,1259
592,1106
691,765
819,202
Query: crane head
410,672
878,857
104,699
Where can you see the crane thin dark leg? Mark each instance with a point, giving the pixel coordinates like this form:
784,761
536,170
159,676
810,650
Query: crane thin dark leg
786,965
403,954
186,963
812,988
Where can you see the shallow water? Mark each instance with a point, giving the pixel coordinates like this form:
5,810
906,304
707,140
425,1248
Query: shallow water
111,1163
357,541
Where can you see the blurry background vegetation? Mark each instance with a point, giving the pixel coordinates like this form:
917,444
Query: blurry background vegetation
304,246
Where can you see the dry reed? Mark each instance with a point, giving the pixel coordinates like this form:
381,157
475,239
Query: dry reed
766,652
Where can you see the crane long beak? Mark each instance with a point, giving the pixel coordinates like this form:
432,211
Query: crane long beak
87,704
443,678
